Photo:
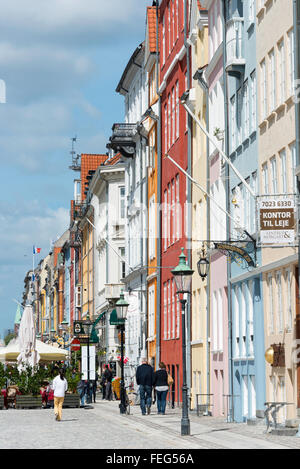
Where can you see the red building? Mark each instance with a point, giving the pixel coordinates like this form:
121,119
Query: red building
174,136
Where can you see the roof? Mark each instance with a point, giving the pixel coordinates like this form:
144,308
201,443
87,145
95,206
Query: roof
199,6
151,19
114,160
89,162
134,60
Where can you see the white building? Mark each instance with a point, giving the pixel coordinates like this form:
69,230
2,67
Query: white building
108,200
130,139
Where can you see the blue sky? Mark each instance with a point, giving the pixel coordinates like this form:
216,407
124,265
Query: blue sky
61,61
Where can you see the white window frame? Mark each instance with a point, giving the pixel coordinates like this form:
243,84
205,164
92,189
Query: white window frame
281,70
272,80
263,89
282,157
253,101
271,318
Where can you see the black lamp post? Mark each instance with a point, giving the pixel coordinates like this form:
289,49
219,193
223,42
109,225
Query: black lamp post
183,278
87,326
122,308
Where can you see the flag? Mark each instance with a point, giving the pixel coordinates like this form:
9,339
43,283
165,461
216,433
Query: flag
36,250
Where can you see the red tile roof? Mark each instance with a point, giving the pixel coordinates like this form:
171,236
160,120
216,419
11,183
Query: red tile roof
151,15
89,162
114,160
199,5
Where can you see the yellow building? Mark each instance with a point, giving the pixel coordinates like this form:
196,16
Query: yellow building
87,261
199,351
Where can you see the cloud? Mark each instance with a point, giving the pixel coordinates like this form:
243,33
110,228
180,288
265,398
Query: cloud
75,22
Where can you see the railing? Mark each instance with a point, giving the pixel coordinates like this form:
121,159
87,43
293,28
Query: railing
234,39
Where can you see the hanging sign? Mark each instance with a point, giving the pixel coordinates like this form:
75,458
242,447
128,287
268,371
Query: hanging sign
277,220
231,249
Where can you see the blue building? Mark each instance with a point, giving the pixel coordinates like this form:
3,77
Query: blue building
246,319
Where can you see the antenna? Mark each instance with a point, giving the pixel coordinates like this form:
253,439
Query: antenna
76,164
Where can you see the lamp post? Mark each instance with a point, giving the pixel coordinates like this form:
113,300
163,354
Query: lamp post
87,325
183,278
64,325
121,309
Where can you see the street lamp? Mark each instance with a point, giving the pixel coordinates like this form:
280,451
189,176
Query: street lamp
121,309
64,326
87,326
183,278
203,266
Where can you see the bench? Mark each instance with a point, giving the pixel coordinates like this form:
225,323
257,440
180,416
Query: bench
71,400
28,402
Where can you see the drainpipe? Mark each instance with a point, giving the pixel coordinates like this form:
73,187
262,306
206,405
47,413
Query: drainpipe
227,175
158,202
296,11
189,199
199,76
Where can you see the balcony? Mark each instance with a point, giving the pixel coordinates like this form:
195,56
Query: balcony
123,139
235,60
113,290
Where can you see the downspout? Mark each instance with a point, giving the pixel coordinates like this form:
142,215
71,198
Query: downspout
227,175
158,201
296,14
189,200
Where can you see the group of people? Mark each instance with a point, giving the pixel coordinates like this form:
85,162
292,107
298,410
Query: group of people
149,380
87,390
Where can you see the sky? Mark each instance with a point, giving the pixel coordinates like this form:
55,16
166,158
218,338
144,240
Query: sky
61,61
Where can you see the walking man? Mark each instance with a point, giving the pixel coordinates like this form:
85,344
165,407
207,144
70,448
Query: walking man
144,378
108,376
60,386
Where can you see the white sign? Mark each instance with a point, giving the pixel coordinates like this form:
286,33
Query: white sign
277,220
84,361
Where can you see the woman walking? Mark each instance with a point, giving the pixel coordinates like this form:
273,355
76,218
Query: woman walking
60,386
161,387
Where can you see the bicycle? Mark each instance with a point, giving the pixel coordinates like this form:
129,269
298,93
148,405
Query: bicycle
129,399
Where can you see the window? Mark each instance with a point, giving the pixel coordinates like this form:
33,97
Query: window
173,23
250,316
253,208
273,175
169,121
281,59
169,214
288,283
173,291
169,29
253,102
122,202
215,321
163,41
220,320
173,211
263,91
236,322
279,301
166,128
282,156
291,61
151,303
165,220
246,109
178,208
239,115
265,178
165,311
272,80
152,227
270,305
169,310
173,115
243,319
177,108
293,164
233,123
122,263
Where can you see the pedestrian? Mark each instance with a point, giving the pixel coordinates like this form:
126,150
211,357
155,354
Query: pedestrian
108,379
81,388
60,386
94,389
103,386
161,386
144,378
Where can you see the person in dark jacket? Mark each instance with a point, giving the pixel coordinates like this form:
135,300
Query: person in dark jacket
108,376
144,378
161,386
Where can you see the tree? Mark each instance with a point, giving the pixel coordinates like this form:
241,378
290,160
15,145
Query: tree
9,337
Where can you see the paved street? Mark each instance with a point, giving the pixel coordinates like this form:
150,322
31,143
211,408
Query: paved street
102,427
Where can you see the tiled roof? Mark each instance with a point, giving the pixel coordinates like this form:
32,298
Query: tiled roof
89,162
151,15
113,160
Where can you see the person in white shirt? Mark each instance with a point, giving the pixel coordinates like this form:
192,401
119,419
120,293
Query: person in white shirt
60,386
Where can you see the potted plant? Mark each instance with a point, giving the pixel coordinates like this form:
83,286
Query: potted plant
29,385
218,133
72,398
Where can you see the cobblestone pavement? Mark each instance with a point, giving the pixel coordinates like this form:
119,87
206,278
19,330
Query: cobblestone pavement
103,427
